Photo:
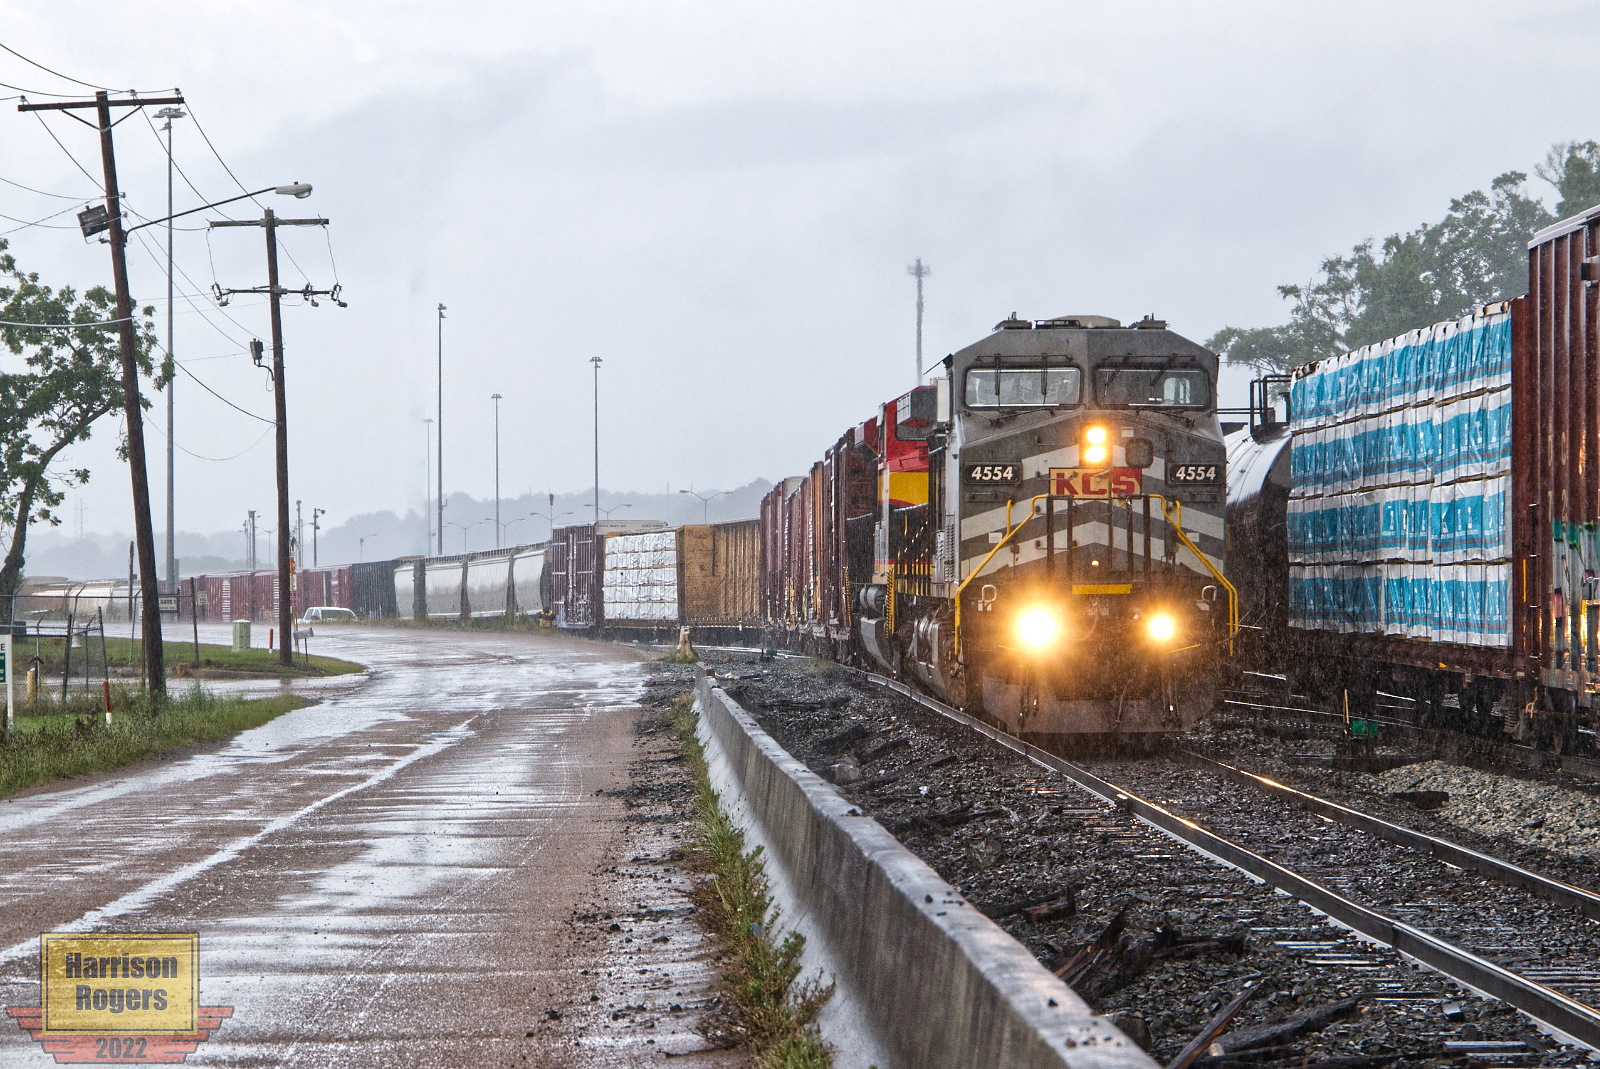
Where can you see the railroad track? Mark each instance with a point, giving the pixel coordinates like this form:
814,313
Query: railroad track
1557,993
1397,722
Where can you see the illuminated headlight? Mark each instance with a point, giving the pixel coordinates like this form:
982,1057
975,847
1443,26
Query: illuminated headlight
1162,627
1038,627
1096,447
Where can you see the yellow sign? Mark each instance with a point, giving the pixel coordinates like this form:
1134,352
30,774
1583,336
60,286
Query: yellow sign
112,984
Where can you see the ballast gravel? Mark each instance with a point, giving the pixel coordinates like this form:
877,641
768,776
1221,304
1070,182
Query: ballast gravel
1005,831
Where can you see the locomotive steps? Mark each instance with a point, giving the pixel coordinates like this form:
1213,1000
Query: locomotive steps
923,978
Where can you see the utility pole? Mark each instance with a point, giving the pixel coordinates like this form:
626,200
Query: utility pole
133,409
171,370
427,484
250,555
496,399
270,222
299,532
919,271
441,430
315,527
595,360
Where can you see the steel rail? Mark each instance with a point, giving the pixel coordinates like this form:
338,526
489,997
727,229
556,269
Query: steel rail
1563,894
1574,1019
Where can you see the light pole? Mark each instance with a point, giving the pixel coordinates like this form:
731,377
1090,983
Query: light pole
550,515
315,527
171,371
512,523
919,271
427,484
361,546
251,562
496,399
595,360
464,529
441,430
614,508
269,224
705,500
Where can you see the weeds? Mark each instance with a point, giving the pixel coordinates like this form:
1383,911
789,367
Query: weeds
56,739
777,1015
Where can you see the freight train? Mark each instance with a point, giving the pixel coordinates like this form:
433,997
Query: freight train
1421,523
1036,535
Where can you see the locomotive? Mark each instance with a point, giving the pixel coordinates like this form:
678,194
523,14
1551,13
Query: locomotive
1045,541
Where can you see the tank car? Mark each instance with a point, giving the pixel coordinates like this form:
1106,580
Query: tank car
1047,537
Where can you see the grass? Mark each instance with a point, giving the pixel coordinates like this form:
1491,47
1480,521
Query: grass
776,1014
72,738
125,654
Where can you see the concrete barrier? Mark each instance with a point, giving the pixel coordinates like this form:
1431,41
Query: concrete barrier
924,979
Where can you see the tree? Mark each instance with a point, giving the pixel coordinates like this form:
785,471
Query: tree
1573,167
1475,255
71,378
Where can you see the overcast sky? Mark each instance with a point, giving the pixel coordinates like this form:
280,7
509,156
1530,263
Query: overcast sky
720,200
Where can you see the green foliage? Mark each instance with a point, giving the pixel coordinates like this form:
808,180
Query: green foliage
1573,167
55,739
776,1014
70,378
1475,255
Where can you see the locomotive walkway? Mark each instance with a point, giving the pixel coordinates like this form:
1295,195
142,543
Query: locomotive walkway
390,877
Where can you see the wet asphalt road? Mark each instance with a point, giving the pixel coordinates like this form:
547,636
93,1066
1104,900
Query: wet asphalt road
386,878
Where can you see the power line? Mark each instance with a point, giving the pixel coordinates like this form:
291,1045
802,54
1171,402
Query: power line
217,395
42,193
39,222
47,70
219,460
63,148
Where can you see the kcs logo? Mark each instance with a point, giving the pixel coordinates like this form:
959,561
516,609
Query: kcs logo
1096,482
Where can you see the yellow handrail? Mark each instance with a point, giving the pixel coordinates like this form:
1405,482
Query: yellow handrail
1175,520
1010,531
1177,528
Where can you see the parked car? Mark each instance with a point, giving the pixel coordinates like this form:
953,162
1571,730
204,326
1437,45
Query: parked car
327,614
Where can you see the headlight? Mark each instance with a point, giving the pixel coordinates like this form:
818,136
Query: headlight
1095,447
1037,627
1162,627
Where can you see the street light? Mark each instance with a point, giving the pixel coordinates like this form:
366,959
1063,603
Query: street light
595,360
497,528
427,485
464,529
705,500
172,557
512,523
550,515
315,527
614,508
361,546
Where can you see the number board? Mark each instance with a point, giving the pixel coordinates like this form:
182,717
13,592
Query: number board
1194,474
992,474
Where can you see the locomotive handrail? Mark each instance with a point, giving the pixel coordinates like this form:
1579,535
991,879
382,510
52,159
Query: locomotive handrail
1174,519
1177,528
1010,531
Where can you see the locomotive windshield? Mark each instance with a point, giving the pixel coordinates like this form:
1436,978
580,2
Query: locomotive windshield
1151,382
1022,387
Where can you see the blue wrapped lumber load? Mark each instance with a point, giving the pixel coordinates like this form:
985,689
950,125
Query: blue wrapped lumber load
1400,470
